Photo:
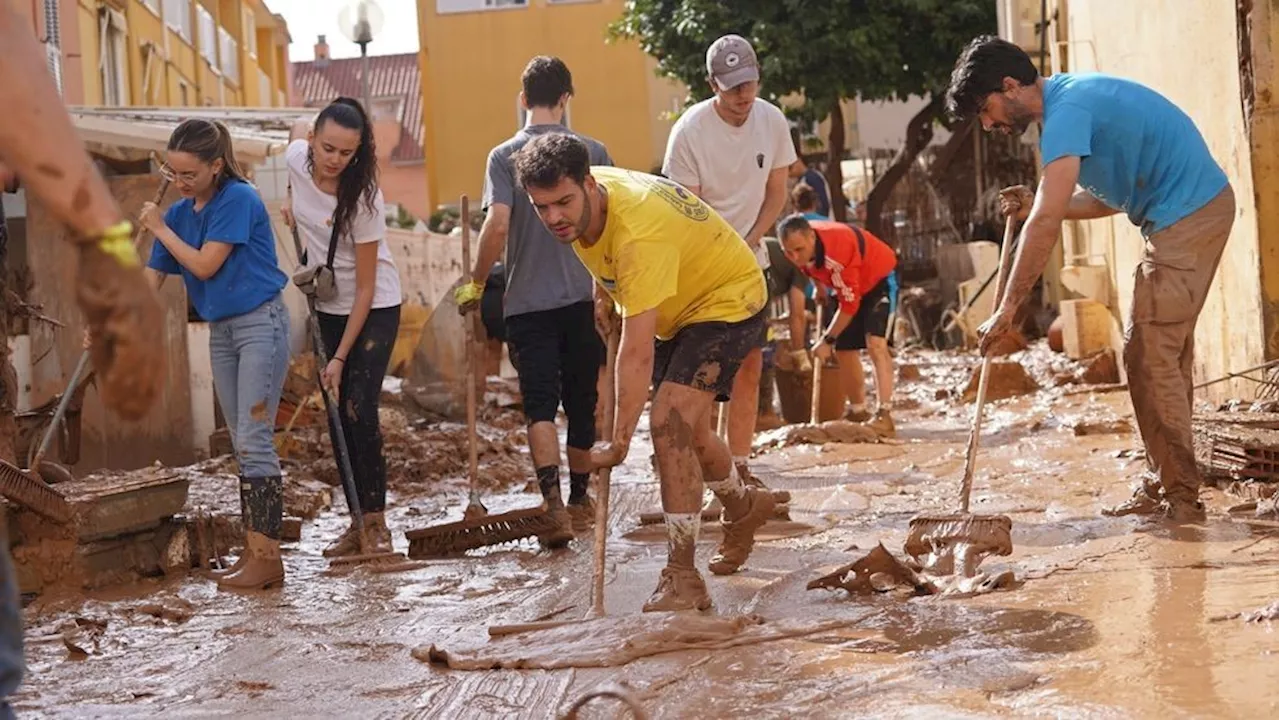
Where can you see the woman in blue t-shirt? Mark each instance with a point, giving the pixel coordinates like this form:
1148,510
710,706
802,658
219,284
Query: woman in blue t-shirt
219,238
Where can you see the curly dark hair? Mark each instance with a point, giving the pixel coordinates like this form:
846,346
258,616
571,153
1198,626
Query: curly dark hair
549,158
545,80
981,69
359,179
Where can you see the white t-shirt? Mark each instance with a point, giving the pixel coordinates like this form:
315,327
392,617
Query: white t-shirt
313,211
730,165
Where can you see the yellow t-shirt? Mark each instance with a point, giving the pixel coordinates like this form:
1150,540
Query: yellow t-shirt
664,248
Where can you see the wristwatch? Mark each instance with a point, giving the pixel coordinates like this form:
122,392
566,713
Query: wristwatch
828,340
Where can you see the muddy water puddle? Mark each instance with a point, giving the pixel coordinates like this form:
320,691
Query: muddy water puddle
1112,617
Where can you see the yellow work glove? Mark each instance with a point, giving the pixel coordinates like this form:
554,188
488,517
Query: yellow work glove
467,296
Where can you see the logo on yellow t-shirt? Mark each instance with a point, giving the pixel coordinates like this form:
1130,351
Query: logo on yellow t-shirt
679,198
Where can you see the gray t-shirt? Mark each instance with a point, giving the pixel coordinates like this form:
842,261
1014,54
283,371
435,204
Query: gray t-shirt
542,273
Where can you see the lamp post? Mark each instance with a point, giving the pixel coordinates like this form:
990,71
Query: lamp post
360,21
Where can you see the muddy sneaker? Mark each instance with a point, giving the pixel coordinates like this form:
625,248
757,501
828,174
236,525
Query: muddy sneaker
858,416
781,497
348,543
582,514
679,589
882,424
1140,504
560,535
1183,512
739,533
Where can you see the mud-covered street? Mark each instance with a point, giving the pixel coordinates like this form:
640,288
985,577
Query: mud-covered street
1108,617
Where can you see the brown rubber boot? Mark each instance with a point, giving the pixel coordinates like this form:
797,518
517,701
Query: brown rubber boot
376,534
739,532
562,533
262,570
679,589
882,424
781,497
582,514
348,543
239,563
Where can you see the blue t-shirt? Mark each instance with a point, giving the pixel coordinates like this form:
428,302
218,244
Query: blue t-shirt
250,275
1139,153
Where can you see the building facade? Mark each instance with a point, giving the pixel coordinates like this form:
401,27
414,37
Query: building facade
142,53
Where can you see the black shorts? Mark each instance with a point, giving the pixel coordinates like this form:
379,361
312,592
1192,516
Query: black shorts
706,356
558,354
872,318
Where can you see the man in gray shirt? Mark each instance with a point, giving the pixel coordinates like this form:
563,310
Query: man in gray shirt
548,306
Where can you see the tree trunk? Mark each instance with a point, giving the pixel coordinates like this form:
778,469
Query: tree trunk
919,134
835,153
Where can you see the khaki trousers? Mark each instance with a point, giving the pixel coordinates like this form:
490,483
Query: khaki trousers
1169,290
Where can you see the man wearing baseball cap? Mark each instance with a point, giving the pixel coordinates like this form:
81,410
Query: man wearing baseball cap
733,150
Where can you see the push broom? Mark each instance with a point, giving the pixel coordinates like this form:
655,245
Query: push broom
961,541
477,528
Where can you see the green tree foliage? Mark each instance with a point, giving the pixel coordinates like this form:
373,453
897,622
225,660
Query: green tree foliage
824,51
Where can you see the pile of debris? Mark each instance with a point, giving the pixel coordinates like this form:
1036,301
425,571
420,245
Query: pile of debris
1239,451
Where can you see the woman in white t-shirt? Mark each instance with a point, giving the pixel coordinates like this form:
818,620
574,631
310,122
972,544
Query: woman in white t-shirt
334,197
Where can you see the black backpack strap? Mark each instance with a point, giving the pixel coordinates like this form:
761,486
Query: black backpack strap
333,240
862,242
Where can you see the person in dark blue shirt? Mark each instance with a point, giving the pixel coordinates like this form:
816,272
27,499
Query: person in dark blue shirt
1131,151
218,237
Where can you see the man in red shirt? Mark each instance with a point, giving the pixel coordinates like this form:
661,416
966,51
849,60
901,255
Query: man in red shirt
855,265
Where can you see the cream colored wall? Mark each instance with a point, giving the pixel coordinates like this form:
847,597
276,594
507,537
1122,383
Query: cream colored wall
1186,50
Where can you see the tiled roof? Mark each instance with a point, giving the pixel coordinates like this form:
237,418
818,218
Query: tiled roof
389,75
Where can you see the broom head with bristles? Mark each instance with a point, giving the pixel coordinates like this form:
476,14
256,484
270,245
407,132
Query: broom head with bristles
21,487
468,534
961,536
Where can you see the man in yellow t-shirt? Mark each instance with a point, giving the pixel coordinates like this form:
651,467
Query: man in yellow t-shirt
682,275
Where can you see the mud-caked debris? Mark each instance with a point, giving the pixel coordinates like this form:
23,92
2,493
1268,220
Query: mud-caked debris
832,431
877,571
1007,379
908,372
1111,426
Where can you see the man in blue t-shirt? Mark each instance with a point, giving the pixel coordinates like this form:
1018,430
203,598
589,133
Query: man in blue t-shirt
1131,151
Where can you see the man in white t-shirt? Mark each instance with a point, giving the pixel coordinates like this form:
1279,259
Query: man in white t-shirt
733,151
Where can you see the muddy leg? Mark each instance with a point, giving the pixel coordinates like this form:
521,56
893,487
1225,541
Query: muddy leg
882,361
744,404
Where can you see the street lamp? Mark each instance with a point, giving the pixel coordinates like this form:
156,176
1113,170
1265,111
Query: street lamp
359,21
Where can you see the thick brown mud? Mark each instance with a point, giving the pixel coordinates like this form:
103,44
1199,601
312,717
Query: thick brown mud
1111,617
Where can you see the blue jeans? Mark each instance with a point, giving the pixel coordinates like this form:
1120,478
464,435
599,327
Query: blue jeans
250,356
11,664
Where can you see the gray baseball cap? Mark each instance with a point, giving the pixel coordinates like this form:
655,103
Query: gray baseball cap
731,61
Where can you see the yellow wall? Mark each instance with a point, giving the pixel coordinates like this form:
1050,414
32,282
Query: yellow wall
1186,50
471,64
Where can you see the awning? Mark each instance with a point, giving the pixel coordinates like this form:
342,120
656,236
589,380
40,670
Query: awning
129,134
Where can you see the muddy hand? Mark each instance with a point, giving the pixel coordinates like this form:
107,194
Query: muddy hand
822,352
331,377
126,331
994,331
1016,201
607,455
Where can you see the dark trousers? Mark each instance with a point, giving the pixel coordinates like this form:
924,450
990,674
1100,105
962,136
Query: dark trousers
359,393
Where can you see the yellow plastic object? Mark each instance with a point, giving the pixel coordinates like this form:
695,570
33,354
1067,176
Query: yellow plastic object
413,318
117,241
